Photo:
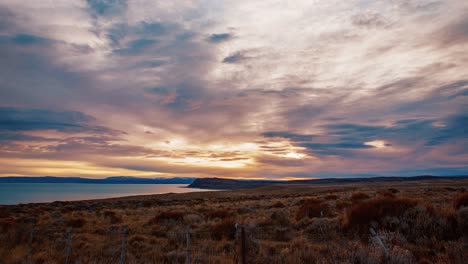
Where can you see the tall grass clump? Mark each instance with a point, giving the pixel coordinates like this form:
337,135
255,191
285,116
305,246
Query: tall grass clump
360,215
358,196
311,208
461,201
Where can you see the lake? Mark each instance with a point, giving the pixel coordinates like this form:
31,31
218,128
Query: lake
15,193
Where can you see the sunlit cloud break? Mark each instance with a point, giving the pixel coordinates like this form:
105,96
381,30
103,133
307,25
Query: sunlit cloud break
238,89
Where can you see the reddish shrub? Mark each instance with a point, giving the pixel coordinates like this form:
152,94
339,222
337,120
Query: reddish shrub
311,208
278,204
76,222
341,205
6,224
462,217
393,190
331,197
386,194
4,213
461,201
226,228
113,217
166,216
362,214
358,196
220,213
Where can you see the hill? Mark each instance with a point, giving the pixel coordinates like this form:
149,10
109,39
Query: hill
228,184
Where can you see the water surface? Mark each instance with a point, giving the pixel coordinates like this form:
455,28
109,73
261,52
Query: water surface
15,193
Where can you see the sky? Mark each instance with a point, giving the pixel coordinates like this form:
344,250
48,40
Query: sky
238,89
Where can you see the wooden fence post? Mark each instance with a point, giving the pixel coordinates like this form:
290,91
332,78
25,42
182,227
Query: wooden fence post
188,245
31,237
244,249
379,241
122,253
69,242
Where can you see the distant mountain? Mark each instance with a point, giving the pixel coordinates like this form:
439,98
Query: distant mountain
225,184
109,180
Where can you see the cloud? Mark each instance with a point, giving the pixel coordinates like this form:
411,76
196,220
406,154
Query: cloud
136,46
369,20
106,7
29,119
287,135
455,33
217,38
344,75
233,58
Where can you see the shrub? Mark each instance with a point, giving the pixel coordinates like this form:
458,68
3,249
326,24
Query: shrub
386,193
331,197
461,201
167,216
362,214
225,228
341,205
462,218
358,196
112,216
280,217
278,204
393,190
220,213
311,208
76,222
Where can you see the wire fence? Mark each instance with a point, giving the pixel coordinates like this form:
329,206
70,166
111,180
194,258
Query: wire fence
120,244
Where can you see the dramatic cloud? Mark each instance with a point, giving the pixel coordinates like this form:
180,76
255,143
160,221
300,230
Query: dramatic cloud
260,89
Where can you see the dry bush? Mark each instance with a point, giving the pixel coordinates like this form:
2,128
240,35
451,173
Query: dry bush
76,222
311,208
358,196
386,193
462,218
278,204
362,214
331,197
220,213
112,216
166,216
342,205
225,228
461,201
393,190
280,218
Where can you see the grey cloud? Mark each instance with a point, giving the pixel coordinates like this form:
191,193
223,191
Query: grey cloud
28,119
136,46
23,39
233,58
216,38
106,7
288,135
343,138
455,33
369,20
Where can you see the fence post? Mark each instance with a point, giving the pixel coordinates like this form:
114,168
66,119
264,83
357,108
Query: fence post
379,241
243,245
31,237
188,245
122,253
69,242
